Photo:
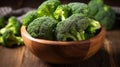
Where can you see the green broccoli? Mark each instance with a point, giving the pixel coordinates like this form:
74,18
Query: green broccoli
94,6
94,25
29,17
92,28
78,7
47,8
73,28
102,13
8,39
1,40
67,22
13,24
42,27
62,12
10,34
106,16
2,22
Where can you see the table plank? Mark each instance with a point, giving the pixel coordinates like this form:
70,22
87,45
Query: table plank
11,57
30,60
114,39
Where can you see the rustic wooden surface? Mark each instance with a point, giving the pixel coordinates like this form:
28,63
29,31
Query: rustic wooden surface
107,56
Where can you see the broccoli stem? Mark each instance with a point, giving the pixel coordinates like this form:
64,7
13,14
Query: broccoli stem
2,30
1,40
80,35
63,17
69,37
19,40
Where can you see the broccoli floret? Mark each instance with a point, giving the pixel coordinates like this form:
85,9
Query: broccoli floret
92,29
29,17
106,16
10,34
73,28
13,24
2,22
1,40
78,7
102,13
62,12
94,25
47,8
94,6
8,39
42,27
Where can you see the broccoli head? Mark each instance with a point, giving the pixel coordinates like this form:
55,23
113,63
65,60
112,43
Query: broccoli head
8,39
106,16
2,23
94,25
102,13
47,8
29,17
10,34
13,24
78,7
73,28
42,27
92,29
62,12
94,6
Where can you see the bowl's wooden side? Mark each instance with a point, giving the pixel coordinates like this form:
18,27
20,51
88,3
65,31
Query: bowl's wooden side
96,43
61,52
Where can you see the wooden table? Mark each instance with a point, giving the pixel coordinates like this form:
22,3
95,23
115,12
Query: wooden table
107,56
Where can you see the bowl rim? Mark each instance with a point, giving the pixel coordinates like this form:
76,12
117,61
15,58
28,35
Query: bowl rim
50,42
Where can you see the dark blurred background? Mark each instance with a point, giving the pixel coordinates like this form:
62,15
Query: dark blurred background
15,4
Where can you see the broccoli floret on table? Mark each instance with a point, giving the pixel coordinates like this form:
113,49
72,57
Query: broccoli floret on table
8,39
13,24
10,34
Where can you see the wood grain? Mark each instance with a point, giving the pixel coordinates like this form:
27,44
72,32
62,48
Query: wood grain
22,57
30,60
11,57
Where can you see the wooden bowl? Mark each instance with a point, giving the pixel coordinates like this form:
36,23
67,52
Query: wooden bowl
63,52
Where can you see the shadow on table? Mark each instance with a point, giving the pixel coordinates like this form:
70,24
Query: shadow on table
100,59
